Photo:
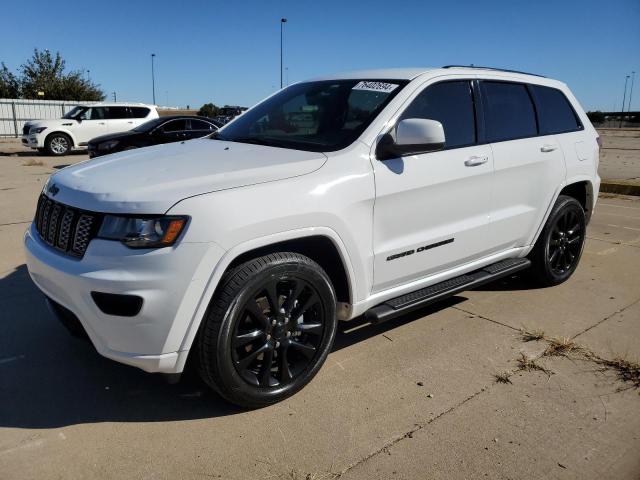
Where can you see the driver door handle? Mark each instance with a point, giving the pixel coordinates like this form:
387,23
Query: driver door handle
548,148
475,161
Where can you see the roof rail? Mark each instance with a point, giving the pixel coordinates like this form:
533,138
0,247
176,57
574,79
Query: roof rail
493,68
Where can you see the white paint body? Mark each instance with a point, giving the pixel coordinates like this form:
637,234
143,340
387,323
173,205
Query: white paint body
81,132
240,197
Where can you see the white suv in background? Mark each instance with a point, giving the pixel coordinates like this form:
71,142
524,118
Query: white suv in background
82,123
370,193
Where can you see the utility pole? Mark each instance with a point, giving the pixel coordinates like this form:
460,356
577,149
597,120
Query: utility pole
633,76
282,22
624,97
115,98
153,78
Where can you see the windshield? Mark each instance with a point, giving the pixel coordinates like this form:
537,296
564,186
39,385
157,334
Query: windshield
319,116
74,112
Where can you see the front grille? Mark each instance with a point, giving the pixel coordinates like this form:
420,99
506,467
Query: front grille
25,129
67,229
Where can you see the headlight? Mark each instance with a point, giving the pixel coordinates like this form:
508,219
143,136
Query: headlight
37,130
143,232
109,145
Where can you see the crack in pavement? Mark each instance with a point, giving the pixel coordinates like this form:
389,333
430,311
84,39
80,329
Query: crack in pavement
14,223
620,310
409,434
485,318
612,242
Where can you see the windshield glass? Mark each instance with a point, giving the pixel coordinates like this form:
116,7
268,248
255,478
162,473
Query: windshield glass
74,112
319,116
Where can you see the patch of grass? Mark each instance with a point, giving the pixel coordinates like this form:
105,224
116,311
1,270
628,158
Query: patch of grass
561,346
32,162
627,371
532,336
503,377
530,364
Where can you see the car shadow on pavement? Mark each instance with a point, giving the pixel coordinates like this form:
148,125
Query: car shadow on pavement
49,379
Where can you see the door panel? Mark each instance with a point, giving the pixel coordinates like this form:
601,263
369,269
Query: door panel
430,214
93,125
528,167
527,174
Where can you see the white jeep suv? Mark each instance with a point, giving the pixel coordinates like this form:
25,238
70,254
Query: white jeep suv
370,193
82,123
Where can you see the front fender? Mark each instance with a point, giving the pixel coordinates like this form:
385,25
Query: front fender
215,263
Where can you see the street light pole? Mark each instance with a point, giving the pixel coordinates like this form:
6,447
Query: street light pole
153,77
624,97
282,22
633,76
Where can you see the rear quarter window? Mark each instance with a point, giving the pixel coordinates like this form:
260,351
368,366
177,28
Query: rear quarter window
139,112
555,113
508,111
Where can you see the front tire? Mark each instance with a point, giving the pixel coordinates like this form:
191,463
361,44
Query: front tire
58,144
557,251
268,330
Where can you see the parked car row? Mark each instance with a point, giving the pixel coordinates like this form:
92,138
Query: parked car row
112,127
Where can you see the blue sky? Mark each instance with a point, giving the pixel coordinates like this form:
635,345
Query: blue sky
228,52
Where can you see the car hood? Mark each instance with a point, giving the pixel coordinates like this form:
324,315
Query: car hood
59,122
152,179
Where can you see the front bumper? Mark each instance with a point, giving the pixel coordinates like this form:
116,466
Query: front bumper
165,278
32,141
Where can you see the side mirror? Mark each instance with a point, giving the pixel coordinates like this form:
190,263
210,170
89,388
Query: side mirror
411,136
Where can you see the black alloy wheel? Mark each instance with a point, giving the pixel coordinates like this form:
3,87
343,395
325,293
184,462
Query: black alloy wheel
557,251
565,242
279,332
269,329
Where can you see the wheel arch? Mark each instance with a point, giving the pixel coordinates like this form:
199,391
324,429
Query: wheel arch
321,244
582,189
64,132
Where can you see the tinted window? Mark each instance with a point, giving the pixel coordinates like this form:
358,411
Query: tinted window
175,126
450,103
201,125
114,113
508,111
554,111
97,113
139,112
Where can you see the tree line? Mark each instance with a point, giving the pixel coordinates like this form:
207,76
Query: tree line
44,77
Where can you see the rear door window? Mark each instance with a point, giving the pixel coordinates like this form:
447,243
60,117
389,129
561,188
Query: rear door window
508,111
555,114
117,113
202,126
450,103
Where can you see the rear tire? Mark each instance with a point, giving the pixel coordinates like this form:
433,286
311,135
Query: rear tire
557,251
268,329
58,144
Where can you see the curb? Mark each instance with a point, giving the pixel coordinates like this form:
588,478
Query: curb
620,188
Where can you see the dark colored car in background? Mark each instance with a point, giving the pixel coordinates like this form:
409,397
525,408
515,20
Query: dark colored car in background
155,132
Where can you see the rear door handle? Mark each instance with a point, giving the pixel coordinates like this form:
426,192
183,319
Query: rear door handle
548,148
475,161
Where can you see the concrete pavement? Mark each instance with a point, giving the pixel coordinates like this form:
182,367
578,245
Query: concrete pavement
413,398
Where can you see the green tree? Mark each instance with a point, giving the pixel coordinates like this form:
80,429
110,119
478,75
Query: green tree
209,110
46,73
9,83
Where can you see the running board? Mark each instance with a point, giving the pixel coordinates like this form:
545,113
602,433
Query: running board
425,296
